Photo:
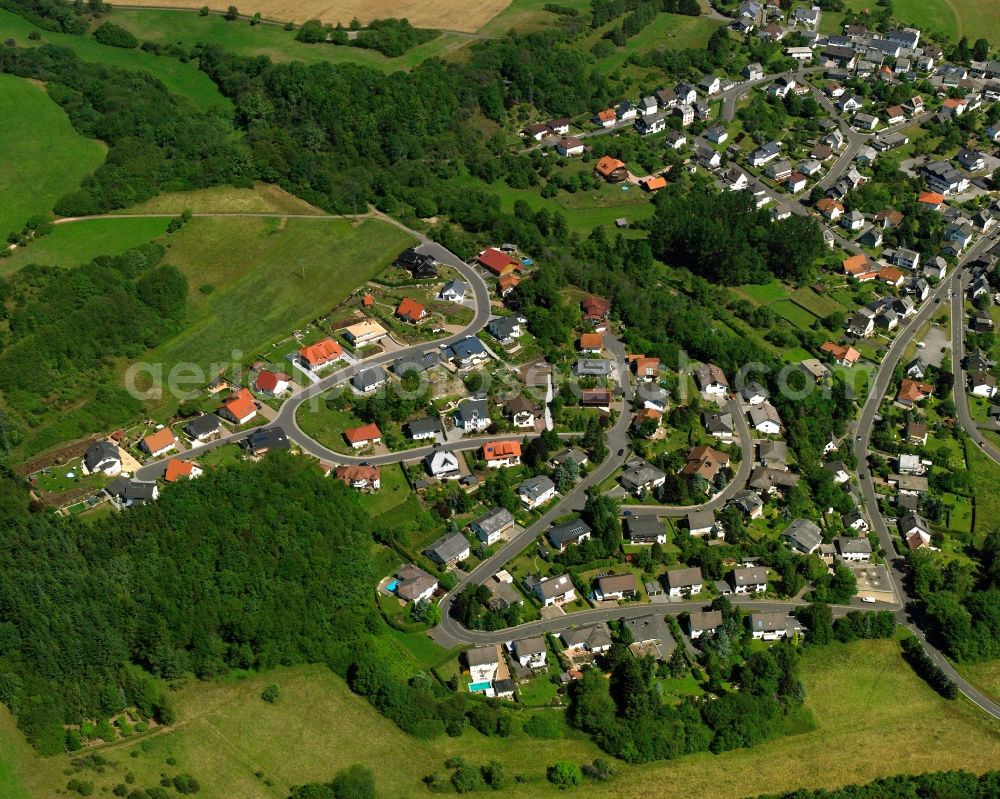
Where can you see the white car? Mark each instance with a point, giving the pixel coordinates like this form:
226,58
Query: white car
869,599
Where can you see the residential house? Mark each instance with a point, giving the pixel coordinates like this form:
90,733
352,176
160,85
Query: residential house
843,355
366,435
363,333
719,425
796,182
705,462
554,590
536,491
971,160
484,664
240,408
773,454
675,139
411,311
443,465
765,419
496,262
264,439
449,549
418,264
982,384
570,146
423,429
593,639
711,380
702,522
530,652
710,84
625,111
855,520
640,477
595,398
368,380
521,411
803,536
865,121
853,550
467,353
888,218
831,209
916,434
501,454
702,622
779,171
774,625
270,384
606,118
613,587
596,311
894,115
103,457
321,354
125,493
415,585
749,579
708,158
908,259
764,154
202,428
648,125
360,477
506,328
646,529
717,134
838,470
861,326
911,392
611,169
684,582
942,177
648,106
593,367
493,525
753,71
159,443
748,503
686,114
754,393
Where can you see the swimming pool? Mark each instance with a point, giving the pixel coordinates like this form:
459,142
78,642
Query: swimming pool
391,587
475,687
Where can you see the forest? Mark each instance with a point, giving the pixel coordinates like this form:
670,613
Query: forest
66,327
936,785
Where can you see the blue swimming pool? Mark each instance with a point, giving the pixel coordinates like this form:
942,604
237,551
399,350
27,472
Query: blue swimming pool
479,686
391,587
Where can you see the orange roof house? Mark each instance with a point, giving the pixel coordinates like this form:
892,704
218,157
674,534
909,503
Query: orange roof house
931,198
368,301
364,477
830,208
364,435
607,115
595,309
321,353
497,262
644,366
848,356
654,183
592,342
159,442
240,407
891,276
176,469
409,310
502,452
857,264
911,391
646,414
705,462
508,283
272,383
611,169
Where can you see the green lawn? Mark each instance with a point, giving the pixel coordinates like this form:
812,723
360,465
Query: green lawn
393,492
764,293
939,16
183,79
43,157
819,304
326,424
795,314
863,698
77,243
671,31
266,277
187,28
986,490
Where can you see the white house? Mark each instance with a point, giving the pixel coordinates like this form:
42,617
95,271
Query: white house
103,457
774,625
492,526
484,662
749,580
554,590
536,491
472,416
530,652
443,465
684,582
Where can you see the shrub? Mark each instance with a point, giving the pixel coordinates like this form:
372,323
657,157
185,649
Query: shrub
115,36
565,775
185,783
270,694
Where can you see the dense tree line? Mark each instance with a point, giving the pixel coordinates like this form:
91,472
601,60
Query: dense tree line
66,327
722,237
936,785
157,141
248,567
392,37
917,657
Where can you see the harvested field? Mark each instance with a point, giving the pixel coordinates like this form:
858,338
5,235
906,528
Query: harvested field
454,15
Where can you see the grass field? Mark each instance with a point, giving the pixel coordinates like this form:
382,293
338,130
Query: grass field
818,304
43,157
79,242
795,314
255,269
184,79
186,28
262,198
986,490
985,676
671,31
452,15
865,700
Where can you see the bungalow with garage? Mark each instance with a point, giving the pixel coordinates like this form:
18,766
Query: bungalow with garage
803,536
363,333
614,587
493,526
202,428
360,477
570,146
853,550
413,584
530,652
443,465
646,529
367,380
563,535
449,549
240,408
102,457
159,443
702,622
749,579
554,590
536,491
684,582
364,436
467,353
496,262
126,493
501,454
774,625
321,354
